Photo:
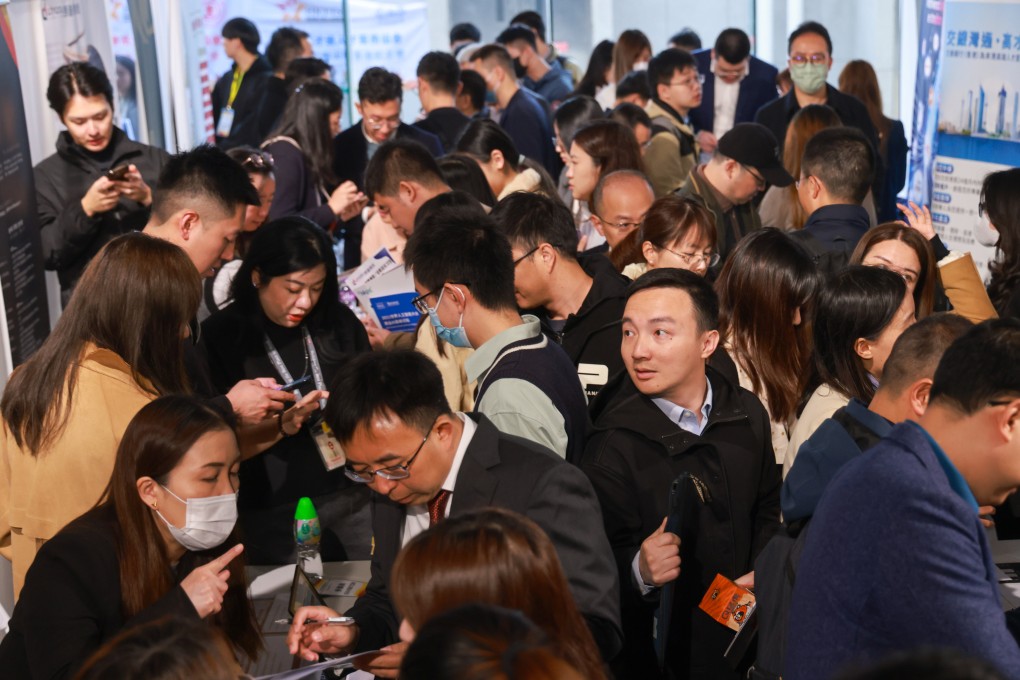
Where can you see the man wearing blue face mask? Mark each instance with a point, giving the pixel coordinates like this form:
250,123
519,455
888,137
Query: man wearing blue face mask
810,50
464,274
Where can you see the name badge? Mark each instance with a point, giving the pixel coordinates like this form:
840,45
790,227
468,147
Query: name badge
226,122
332,453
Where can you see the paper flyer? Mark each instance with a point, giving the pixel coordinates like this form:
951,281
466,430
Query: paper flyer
385,290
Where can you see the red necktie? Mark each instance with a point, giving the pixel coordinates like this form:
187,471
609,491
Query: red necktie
437,507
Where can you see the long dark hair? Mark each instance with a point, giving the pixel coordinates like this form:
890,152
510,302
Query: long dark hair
764,281
483,136
306,120
924,290
281,247
1000,200
600,61
463,174
135,299
859,302
154,443
493,556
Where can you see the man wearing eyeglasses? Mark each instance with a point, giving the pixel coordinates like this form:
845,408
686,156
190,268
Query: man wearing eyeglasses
578,301
737,84
810,50
381,95
426,463
526,384
744,163
619,203
672,153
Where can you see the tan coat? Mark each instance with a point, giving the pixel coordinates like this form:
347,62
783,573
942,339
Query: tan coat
40,494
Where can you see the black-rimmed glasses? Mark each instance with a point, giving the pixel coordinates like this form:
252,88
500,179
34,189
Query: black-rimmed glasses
392,473
525,256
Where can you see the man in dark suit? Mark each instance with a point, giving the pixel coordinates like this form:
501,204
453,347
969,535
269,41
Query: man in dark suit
389,413
810,50
736,86
438,86
381,94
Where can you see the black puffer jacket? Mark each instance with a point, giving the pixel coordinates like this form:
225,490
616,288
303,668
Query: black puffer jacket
70,238
633,457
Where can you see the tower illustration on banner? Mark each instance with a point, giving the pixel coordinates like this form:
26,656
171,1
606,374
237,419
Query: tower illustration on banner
974,120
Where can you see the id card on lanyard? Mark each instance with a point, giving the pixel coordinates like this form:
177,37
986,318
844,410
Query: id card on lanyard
226,121
330,451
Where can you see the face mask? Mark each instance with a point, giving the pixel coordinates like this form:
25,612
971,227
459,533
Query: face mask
984,234
207,521
490,97
455,336
809,78
518,69
640,66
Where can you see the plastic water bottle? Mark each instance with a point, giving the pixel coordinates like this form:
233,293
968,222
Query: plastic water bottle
306,538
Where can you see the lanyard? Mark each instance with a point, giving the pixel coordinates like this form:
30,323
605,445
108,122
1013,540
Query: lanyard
235,87
310,356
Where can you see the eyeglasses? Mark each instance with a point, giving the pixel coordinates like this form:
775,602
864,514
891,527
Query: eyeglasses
801,59
618,225
394,472
689,82
759,181
377,123
981,209
422,306
526,255
260,160
420,302
710,260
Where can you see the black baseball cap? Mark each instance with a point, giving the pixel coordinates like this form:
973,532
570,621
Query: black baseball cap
755,146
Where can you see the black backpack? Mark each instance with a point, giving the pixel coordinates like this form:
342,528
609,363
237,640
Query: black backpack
775,571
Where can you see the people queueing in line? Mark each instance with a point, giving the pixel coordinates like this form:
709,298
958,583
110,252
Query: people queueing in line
601,316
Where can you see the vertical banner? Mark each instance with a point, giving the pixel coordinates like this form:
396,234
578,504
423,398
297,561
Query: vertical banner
979,103
922,148
125,86
77,30
21,265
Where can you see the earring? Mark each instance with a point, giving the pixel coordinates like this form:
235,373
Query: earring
153,505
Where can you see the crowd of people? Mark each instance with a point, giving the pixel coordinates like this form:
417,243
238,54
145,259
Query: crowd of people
673,265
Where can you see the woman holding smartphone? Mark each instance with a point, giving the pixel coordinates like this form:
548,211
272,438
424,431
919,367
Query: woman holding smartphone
162,543
98,185
286,321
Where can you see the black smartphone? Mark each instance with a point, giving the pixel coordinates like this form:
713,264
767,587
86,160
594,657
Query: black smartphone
291,386
119,173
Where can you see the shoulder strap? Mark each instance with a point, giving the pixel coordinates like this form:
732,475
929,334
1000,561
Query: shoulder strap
281,138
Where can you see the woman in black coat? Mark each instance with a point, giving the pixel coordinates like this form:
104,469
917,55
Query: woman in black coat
286,321
141,555
98,185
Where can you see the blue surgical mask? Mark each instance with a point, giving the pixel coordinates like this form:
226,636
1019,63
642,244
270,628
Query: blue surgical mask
455,336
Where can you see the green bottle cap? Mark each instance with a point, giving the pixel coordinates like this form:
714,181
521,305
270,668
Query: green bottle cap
305,509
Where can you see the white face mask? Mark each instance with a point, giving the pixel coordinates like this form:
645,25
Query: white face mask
207,521
639,66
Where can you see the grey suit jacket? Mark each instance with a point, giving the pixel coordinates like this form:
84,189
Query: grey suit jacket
516,474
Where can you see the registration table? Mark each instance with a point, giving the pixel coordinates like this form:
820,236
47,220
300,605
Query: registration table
270,588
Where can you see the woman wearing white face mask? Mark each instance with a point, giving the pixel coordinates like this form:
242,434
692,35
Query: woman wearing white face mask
154,547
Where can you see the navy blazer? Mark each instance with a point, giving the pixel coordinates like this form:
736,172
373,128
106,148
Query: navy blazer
896,559
757,89
516,474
